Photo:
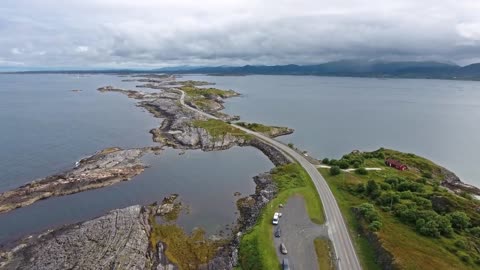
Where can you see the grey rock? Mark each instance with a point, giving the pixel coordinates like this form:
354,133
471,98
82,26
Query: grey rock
118,240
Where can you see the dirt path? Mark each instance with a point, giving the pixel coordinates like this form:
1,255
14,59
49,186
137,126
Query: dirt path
298,233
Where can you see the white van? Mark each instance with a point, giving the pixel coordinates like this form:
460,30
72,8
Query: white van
276,216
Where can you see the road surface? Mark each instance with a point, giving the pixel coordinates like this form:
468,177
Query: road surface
297,233
337,230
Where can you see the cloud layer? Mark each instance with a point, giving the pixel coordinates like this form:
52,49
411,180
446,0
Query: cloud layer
147,33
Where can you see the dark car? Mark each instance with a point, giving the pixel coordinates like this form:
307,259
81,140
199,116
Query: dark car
278,232
285,265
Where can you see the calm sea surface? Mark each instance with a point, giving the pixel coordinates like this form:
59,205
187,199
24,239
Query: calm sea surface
46,128
438,119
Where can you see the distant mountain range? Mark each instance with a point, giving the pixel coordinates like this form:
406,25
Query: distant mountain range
354,68
347,68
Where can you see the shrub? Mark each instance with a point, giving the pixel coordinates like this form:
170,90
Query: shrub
325,161
290,145
475,231
343,164
333,162
335,170
459,220
427,175
385,186
371,186
428,228
460,244
361,171
375,226
356,164
360,188
388,198
368,212
464,256
406,195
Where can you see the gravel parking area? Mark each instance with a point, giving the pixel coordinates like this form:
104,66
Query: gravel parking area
298,233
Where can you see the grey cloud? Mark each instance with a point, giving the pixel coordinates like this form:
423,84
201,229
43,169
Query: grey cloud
158,33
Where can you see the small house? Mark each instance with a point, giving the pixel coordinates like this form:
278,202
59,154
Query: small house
396,164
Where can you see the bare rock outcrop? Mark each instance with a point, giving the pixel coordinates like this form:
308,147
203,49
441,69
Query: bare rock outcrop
118,240
109,166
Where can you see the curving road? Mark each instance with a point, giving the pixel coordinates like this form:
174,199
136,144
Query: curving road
337,230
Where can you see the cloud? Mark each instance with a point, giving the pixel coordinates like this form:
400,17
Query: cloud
124,33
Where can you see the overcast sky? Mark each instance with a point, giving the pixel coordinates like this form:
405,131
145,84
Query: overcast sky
156,33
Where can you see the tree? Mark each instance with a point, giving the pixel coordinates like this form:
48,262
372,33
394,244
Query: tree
361,171
334,170
459,220
388,198
325,161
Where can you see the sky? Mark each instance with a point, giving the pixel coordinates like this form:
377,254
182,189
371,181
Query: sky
158,33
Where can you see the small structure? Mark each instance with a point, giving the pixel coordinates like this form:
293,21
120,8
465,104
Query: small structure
396,164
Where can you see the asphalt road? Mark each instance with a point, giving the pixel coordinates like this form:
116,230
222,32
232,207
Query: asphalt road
298,233
337,230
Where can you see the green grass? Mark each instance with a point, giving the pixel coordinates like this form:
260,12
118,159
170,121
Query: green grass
193,91
218,129
256,247
324,254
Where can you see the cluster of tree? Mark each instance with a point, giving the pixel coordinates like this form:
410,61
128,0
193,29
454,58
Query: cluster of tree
409,202
370,215
354,159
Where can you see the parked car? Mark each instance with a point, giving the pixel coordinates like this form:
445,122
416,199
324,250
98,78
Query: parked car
285,264
283,248
278,232
276,216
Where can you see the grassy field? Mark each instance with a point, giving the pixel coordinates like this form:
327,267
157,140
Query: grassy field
411,248
324,254
218,129
256,247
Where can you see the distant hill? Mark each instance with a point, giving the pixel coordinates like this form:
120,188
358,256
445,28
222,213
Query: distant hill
354,68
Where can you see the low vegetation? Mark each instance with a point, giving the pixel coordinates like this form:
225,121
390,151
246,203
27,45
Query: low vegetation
323,249
187,252
205,99
219,129
256,246
422,225
271,131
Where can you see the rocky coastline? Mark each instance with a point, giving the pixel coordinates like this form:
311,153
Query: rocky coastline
107,167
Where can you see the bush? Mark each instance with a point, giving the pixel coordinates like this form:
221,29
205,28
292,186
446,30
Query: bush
325,161
356,164
388,198
375,226
290,145
475,231
427,175
371,186
464,256
385,186
343,164
360,188
428,228
335,170
459,220
361,171
367,210
333,162
460,244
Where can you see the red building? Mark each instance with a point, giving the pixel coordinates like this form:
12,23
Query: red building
396,164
